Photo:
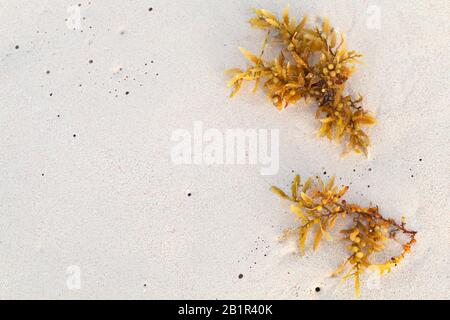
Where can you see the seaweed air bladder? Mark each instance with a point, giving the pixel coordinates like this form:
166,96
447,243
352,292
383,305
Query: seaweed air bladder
318,205
314,64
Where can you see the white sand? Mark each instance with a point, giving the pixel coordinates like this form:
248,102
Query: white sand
112,205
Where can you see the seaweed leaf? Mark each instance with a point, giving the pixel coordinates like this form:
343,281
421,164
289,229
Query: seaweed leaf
294,188
279,192
250,56
317,238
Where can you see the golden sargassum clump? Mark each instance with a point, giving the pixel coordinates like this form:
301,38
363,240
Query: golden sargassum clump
318,206
314,64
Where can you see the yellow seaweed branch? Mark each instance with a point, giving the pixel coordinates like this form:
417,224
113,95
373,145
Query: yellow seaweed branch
314,64
318,205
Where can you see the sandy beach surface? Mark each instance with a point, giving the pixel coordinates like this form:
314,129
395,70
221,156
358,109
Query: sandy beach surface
93,204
